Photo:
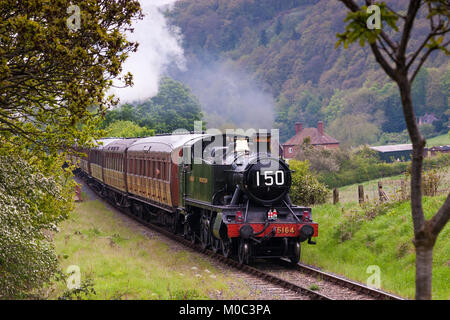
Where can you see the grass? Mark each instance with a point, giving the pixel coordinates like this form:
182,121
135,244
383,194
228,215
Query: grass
391,185
349,243
441,140
125,264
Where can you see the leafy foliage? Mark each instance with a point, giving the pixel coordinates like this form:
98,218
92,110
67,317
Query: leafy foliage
31,205
51,76
174,107
306,189
53,91
127,129
363,164
309,78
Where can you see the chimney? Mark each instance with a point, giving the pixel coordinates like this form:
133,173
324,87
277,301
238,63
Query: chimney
298,127
320,127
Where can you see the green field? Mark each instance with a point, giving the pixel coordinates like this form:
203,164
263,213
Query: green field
441,140
349,242
125,264
391,185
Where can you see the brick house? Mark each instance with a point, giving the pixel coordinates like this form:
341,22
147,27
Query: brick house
317,137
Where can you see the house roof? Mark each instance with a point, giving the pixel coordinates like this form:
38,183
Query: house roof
316,137
393,148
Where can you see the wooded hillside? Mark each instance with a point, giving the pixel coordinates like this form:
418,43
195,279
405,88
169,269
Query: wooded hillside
288,48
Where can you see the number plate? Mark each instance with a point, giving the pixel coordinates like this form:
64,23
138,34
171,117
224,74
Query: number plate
285,230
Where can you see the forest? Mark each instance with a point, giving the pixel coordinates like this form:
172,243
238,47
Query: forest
284,53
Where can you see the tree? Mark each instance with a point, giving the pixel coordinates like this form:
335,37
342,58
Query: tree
57,63
126,112
402,62
31,205
174,107
54,77
127,129
354,130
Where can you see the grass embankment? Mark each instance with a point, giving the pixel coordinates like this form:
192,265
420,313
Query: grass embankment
349,242
441,140
125,264
391,185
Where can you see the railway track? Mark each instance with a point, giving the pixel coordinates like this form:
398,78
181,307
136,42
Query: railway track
272,278
341,281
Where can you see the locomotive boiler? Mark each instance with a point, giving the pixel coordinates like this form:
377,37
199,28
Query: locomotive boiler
230,193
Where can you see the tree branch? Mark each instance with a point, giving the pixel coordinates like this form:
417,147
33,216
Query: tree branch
413,8
423,59
441,218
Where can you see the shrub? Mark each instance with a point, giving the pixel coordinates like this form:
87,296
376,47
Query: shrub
352,223
431,180
306,189
31,205
360,167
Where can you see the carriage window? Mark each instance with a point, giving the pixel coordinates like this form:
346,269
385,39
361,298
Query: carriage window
157,171
168,170
165,166
150,169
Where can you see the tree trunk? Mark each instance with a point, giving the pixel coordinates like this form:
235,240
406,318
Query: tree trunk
418,143
422,237
424,266
424,242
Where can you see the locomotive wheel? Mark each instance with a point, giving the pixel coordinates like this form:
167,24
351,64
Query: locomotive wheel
189,234
215,244
226,248
204,236
297,250
243,252
173,223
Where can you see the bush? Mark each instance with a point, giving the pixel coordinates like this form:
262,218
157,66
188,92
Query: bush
362,166
31,205
306,189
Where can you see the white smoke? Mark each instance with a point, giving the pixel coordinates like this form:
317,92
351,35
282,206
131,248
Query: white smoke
230,97
159,46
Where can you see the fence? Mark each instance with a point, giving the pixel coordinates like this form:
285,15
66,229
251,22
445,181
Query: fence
392,189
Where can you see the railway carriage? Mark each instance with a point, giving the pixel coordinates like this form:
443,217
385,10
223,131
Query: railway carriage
224,191
96,158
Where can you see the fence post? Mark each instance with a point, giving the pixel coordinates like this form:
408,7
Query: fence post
403,189
335,195
381,194
360,193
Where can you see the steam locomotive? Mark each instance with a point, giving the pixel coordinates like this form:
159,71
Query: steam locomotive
228,192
